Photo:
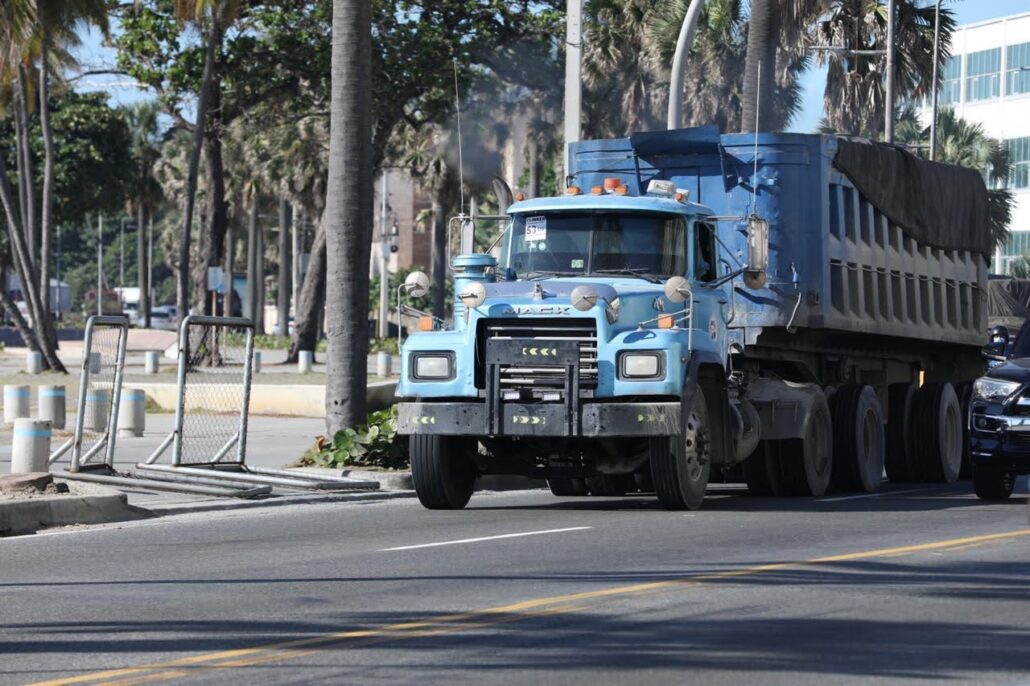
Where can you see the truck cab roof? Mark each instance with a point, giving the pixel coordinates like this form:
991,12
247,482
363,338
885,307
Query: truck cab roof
608,203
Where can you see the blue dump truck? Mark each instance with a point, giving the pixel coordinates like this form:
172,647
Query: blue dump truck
796,312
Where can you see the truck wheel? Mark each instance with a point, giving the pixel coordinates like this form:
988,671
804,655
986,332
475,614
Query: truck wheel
964,391
901,450
991,483
938,419
442,470
806,464
680,465
756,471
568,487
858,438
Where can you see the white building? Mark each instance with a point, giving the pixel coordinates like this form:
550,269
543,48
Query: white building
987,81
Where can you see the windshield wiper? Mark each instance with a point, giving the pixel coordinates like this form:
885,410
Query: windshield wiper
533,275
638,272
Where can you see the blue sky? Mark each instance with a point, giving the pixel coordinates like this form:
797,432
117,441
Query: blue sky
966,12
92,53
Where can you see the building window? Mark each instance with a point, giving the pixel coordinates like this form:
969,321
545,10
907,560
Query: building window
1019,163
1018,70
983,75
1017,245
951,86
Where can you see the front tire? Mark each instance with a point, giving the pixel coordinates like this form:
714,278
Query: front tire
443,471
681,464
991,483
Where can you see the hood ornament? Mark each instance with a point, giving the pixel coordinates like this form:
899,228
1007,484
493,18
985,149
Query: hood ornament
538,291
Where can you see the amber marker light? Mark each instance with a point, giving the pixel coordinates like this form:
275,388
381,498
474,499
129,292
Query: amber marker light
596,190
666,321
622,190
425,323
573,190
520,196
611,183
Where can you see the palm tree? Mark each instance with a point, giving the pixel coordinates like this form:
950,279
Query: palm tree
854,100
142,120
348,214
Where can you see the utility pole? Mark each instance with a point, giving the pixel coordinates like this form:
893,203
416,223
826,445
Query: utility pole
888,132
936,78
573,75
674,117
384,269
121,253
57,270
150,270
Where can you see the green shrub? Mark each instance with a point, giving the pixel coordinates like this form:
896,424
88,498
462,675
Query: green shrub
375,444
388,345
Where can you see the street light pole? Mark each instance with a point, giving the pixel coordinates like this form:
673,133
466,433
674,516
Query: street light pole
573,75
121,253
888,133
674,116
384,272
936,78
100,264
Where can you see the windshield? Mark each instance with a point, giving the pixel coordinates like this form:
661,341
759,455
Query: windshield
581,243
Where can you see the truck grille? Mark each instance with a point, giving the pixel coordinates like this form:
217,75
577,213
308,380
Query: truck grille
541,331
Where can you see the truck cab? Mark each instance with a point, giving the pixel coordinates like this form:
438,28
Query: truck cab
569,355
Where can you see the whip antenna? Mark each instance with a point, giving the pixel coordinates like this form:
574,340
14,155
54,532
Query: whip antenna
758,112
461,165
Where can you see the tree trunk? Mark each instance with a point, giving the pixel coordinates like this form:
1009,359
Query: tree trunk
230,253
285,269
439,258
259,321
182,291
26,178
307,318
142,260
252,261
47,200
212,243
348,214
762,39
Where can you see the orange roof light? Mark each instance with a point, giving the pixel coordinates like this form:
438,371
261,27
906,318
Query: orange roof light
622,190
425,323
611,183
596,190
520,196
572,190
680,197
666,321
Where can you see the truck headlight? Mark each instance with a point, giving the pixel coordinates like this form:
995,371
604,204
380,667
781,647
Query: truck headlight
646,365
994,389
432,366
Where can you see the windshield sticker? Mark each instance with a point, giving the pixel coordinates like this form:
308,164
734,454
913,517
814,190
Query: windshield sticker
577,264
536,228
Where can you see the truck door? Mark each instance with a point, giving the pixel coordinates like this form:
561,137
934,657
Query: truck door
711,301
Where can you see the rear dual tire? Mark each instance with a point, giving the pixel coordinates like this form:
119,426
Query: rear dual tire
937,419
858,439
797,466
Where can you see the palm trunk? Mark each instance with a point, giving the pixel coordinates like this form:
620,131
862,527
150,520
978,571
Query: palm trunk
26,178
759,67
142,262
252,261
308,317
230,252
285,270
348,215
259,320
47,201
182,292
212,243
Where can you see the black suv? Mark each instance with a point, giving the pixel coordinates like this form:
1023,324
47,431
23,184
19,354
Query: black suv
999,416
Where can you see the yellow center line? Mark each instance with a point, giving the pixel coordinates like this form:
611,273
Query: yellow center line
458,622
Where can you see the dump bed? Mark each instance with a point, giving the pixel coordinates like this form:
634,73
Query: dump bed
894,261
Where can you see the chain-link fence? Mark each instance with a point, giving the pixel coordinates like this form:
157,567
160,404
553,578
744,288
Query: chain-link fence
214,377
100,386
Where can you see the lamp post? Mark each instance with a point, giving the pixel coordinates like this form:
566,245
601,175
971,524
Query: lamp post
675,114
573,74
888,129
936,78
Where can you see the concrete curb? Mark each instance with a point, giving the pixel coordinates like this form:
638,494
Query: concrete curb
401,481
278,501
31,514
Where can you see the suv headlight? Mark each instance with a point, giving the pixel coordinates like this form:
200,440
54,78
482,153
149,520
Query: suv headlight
645,365
994,389
432,366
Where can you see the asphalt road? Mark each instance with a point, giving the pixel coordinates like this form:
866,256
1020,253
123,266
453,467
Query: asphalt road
918,583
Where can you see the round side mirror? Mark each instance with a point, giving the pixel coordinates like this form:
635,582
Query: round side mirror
474,295
583,298
417,284
677,289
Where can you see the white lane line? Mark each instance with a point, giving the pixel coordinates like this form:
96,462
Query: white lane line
881,494
486,538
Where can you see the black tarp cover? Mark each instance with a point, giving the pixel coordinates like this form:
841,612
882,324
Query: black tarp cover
940,205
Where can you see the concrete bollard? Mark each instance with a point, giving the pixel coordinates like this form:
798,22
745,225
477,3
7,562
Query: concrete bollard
98,407
34,362
255,366
384,363
132,413
16,402
52,405
30,451
305,360
151,362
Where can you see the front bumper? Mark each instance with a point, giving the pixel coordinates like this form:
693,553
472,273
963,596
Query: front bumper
999,440
589,419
